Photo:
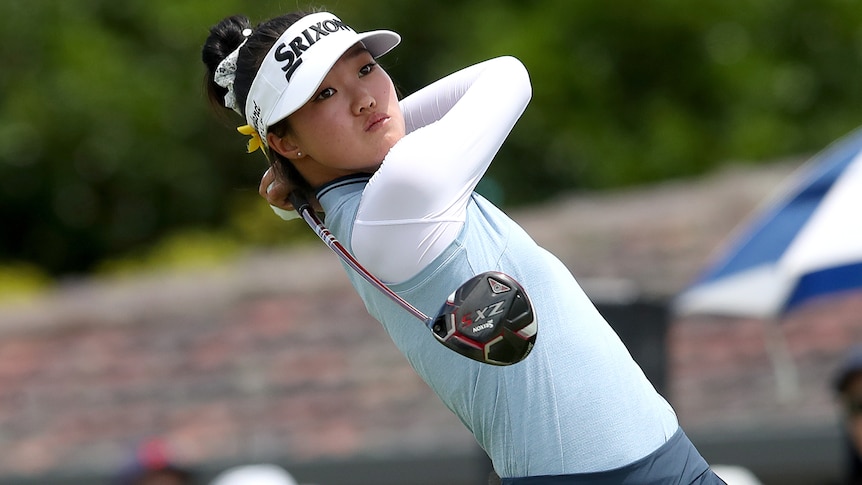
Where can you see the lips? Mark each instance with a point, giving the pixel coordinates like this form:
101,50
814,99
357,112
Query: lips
375,120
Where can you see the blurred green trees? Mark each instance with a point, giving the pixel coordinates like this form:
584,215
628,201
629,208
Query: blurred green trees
107,145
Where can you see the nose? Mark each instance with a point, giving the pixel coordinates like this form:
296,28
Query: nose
364,102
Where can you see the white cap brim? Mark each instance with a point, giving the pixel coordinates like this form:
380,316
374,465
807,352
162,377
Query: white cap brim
262,474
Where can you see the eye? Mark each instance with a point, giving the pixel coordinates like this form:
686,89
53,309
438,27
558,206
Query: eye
366,69
326,93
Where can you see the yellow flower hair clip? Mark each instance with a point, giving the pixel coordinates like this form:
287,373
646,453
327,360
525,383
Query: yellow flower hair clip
255,143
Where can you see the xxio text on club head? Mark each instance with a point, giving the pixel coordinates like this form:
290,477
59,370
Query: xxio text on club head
488,319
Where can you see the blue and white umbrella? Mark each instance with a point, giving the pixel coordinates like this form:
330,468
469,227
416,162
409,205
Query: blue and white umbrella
803,244
806,243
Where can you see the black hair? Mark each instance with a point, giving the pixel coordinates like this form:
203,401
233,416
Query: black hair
223,39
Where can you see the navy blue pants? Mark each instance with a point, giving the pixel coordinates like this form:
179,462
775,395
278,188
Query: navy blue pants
677,462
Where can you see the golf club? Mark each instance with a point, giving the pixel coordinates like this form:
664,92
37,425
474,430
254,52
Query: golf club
489,318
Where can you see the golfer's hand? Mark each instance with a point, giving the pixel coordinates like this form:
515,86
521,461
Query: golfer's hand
275,191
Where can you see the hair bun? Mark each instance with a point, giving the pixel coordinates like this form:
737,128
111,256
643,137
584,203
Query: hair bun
224,38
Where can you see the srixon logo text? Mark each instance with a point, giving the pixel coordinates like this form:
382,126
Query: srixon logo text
290,53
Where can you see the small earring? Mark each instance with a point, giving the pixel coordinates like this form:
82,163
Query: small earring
298,154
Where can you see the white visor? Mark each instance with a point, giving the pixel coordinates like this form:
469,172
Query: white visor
294,67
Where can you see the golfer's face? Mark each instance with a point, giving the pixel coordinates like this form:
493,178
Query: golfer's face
353,120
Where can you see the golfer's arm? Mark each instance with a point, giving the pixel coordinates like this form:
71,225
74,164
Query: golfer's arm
415,205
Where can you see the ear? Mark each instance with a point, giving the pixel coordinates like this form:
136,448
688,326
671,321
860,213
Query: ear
282,145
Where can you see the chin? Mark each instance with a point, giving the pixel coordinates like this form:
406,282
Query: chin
373,168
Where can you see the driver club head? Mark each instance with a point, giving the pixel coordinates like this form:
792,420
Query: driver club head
489,319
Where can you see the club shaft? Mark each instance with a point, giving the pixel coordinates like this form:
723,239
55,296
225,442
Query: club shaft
304,209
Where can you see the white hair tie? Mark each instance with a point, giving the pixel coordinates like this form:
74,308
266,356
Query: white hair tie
225,74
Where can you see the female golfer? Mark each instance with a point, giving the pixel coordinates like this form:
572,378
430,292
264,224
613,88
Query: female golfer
395,181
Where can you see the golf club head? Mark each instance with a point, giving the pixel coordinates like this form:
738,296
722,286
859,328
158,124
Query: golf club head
488,319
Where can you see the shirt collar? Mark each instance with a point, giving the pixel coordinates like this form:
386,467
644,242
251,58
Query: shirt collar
331,192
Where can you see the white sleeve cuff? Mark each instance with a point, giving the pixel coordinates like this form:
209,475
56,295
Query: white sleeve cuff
285,214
